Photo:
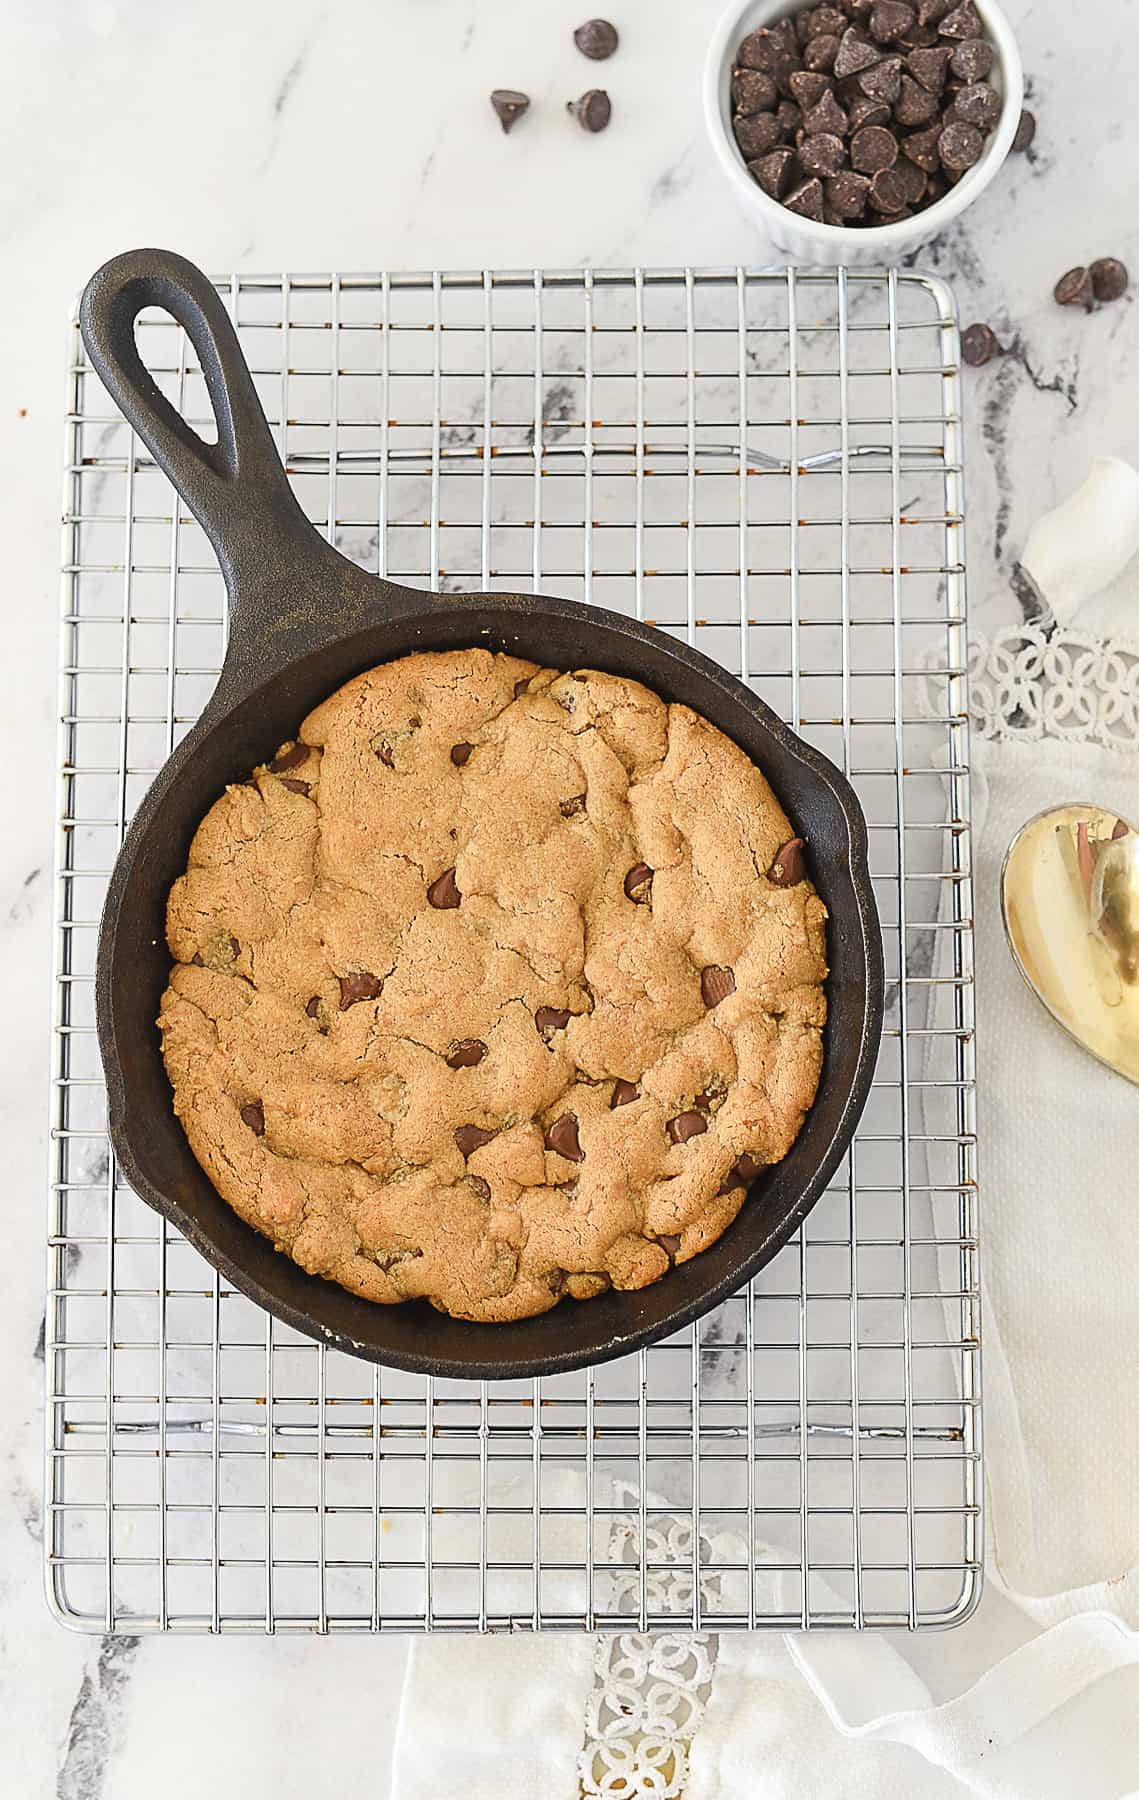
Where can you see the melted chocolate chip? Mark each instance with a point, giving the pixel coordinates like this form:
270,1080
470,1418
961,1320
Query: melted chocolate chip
297,787
312,1010
716,984
467,1053
385,755
744,1172
460,754
575,804
289,758
253,1115
198,960
359,985
669,1241
638,884
552,1018
623,1092
789,867
444,892
686,1125
481,1187
562,1137
520,687
470,1138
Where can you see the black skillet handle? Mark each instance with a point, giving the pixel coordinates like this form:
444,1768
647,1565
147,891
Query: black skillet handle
288,588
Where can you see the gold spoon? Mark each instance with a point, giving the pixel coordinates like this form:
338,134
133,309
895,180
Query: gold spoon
1070,904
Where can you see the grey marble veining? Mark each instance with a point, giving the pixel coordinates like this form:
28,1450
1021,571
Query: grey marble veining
360,136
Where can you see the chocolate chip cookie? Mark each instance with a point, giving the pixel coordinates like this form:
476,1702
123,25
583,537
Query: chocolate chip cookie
497,985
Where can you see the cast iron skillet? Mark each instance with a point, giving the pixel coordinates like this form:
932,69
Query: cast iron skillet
302,621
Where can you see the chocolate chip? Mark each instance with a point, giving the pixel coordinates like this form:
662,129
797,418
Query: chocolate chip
384,752
821,53
716,983
562,1137
846,194
756,135
823,21
556,1279
253,1115
890,20
753,92
917,106
788,117
1025,130
809,88
638,883
864,111
444,891
963,22
470,1138
1074,288
931,12
826,115
929,67
884,81
520,687
686,1125
234,948
592,111
509,104
978,105
480,1187
1109,278
288,758
972,59
596,39
789,865
887,192
312,1010
549,1019
959,146
467,1053
359,985
741,1174
774,173
575,804
978,346
912,179
623,1092
198,960
855,52
921,148
762,49
807,200
823,154
296,787
461,754
669,1241
873,148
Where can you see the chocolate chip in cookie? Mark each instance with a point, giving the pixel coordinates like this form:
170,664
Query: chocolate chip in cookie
460,754
789,867
562,1137
469,1138
467,1053
253,1115
623,1092
290,756
638,883
443,894
686,1125
575,804
549,1019
359,985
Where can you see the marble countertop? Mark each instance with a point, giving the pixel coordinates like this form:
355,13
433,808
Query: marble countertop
352,136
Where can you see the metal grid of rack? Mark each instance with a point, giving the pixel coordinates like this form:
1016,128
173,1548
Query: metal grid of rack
768,464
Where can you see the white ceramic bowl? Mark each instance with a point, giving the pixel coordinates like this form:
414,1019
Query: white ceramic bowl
801,239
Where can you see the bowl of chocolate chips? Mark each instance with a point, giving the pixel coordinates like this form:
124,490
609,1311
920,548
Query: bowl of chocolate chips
854,130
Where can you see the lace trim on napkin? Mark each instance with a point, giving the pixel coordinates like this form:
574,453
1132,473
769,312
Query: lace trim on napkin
1029,682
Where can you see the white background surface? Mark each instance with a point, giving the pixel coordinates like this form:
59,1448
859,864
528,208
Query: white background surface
269,134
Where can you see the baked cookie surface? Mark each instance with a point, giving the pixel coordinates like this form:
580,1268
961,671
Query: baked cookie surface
495,986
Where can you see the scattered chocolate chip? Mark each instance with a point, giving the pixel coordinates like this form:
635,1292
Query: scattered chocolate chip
809,88
884,81
520,687
686,1125
253,1115
978,346
741,1174
312,1010
470,1138
873,148
638,883
789,866
756,135
890,20
296,787
855,53
623,1092
461,754
596,39
480,1187
467,1053
752,92
716,984
288,758
444,891
575,804
509,104
774,173
888,192
1109,278
929,67
552,1018
963,22
821,53
959,146
592,111
807,200
846,194
1074,288
1025,130
822,154
972,59
669,1242
198,960
359,985
562,1137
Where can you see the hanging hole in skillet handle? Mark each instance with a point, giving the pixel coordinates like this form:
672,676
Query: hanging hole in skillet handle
289,590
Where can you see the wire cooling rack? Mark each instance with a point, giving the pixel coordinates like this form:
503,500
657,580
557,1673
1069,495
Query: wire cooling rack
768,465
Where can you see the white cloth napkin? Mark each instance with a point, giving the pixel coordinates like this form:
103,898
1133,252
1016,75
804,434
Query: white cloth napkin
1050,1705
